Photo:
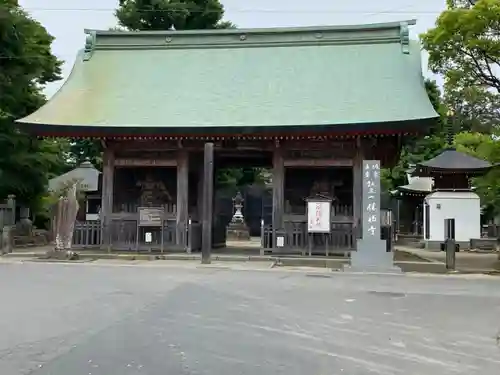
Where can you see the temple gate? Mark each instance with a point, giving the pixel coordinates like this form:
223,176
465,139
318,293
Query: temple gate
306,104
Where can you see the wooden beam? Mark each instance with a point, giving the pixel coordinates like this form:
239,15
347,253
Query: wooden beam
145,144
318,163
357,186
208,192
137,162
182,197
278,181
199,193
108,171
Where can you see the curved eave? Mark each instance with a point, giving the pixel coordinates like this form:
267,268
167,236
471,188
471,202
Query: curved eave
435,172
406,191
417,194
451,161
365,129
305,81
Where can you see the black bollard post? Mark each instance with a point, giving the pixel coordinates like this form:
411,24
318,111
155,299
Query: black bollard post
389,239
450,245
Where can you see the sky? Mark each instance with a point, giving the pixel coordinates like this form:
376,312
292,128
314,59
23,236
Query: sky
66,19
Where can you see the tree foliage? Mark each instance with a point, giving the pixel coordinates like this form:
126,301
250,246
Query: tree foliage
475,109
464,46
81,150
486,147
139,15
460,3
26,65
483,145
236,178
420,148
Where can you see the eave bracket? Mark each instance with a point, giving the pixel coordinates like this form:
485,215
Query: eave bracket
405,37
89,45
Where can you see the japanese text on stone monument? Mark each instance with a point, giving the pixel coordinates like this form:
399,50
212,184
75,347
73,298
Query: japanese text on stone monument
371,198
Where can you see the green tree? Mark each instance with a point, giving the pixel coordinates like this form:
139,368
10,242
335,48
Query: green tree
486,147
26,65
81,150
464,47
140,15
236,178
419,148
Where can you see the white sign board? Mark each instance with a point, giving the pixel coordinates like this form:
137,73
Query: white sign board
319,216
280,241
148,237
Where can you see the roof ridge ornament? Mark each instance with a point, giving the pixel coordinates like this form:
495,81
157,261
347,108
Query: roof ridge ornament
405,37
392,32
90,42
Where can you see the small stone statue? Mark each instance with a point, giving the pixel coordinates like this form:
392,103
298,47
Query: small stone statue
237,230
237,207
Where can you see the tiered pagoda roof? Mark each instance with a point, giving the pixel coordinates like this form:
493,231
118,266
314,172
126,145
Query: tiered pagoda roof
452,170
451,161
419,186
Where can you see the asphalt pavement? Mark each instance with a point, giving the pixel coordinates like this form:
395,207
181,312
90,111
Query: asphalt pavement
104,319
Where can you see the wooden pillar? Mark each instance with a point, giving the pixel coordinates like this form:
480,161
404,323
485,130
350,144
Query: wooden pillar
278,188
357,188
182,198
208,192
199,195
108,172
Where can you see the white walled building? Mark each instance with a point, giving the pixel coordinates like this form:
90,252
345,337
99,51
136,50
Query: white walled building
452,197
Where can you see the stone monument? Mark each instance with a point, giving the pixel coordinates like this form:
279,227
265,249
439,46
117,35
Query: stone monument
237,230
65,211
371,253
25,226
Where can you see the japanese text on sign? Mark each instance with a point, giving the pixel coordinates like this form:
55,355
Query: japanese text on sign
150,217
371,198
318,216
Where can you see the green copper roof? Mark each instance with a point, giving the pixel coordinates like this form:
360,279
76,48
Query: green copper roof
340,78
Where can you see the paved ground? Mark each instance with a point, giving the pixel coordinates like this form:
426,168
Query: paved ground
464,260
108,318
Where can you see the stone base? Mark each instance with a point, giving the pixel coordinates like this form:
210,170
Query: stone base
372,269
372,256
62,255
237,233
